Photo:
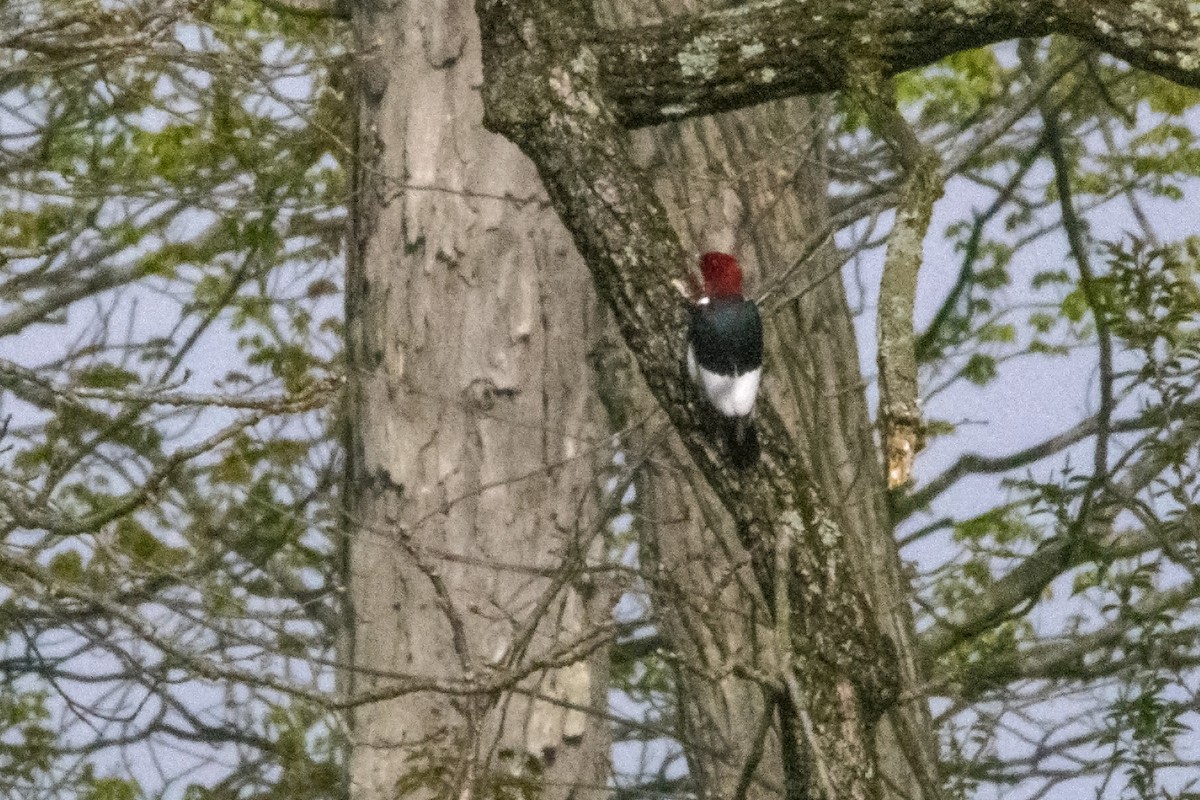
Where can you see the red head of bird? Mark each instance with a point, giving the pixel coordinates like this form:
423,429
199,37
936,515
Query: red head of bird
722,275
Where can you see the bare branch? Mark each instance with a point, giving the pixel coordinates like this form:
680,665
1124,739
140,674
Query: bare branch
312,397
56,299
1065,658
976,464
26,515
899,402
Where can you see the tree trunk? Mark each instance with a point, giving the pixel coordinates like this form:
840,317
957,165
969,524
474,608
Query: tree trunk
726,180
474,441
753,182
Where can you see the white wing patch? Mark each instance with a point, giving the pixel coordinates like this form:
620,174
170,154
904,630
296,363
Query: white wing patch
732,395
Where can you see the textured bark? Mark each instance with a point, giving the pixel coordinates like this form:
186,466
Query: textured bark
474,441
753,182
542,89
902,427
744,55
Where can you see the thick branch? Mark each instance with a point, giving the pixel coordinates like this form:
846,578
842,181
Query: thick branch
981,613
701,63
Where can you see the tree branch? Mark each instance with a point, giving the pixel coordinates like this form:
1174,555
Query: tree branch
707,62
899,402
1074,228
1085,542
1065,658
977,464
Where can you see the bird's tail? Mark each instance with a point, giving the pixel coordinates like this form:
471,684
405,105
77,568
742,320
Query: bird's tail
743,442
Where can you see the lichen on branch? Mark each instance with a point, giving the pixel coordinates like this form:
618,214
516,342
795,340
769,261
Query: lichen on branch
923,183
703,62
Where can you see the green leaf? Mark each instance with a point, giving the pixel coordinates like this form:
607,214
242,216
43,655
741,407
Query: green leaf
284,452
67,566
980,369
1000,525
232,469
939,427
1041,321
107,376
1074,305
1168,97
134,540
112,789
1047,277
1085,579
1045,348
1006,333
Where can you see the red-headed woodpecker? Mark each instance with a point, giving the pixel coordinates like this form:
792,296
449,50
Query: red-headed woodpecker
724,355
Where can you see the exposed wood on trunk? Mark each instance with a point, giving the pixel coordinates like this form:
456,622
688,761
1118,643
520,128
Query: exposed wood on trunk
903,429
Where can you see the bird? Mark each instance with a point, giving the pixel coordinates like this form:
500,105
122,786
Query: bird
724,353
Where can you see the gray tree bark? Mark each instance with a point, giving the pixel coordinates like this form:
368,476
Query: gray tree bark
756,179
754,182
474,441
